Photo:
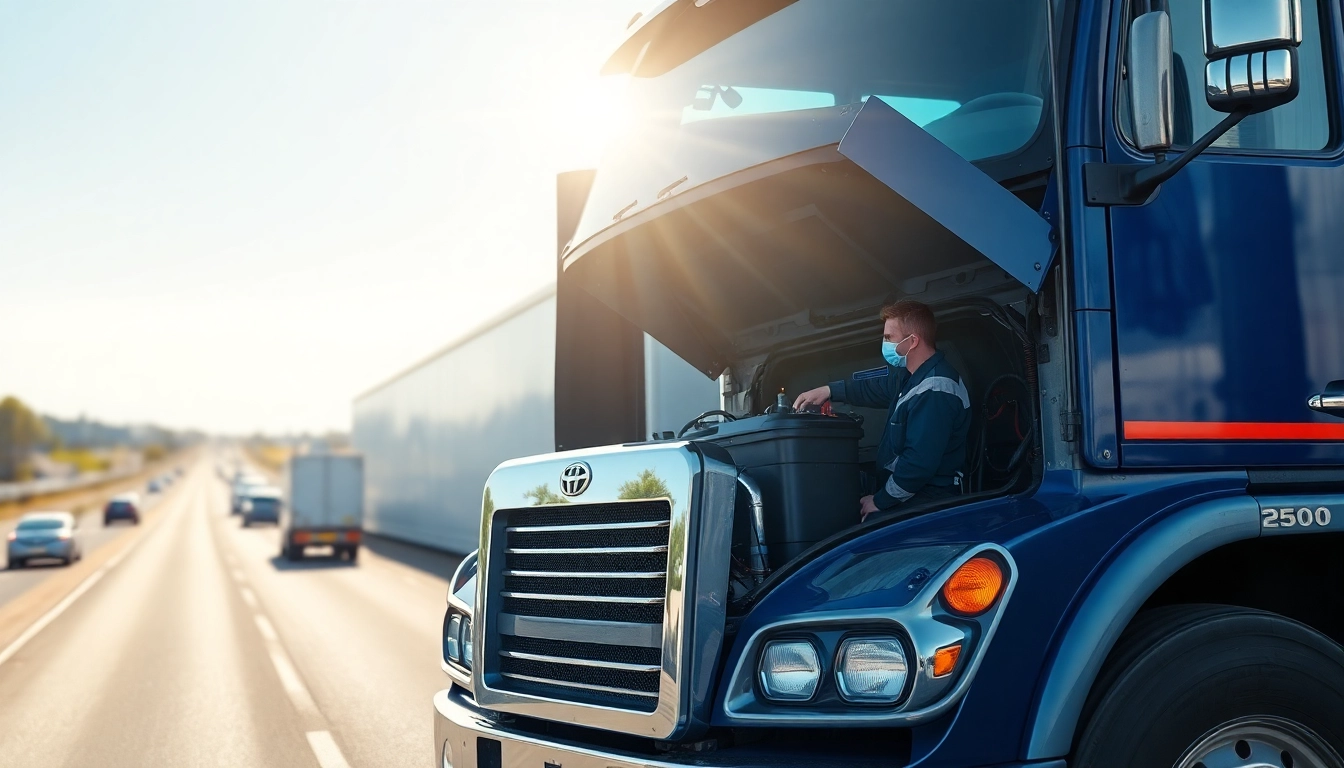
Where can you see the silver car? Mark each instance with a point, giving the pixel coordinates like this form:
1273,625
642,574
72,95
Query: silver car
40,535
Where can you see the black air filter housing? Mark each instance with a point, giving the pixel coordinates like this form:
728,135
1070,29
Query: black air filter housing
807,467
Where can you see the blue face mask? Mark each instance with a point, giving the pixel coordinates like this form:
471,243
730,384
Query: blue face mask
894,358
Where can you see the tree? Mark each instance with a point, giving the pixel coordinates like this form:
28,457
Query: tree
21,430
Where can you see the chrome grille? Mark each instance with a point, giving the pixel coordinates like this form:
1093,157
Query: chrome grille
601,569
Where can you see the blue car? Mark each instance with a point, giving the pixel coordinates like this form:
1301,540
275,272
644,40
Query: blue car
261,505
123,507
44,535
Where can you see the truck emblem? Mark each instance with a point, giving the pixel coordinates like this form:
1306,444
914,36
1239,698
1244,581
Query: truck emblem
576,478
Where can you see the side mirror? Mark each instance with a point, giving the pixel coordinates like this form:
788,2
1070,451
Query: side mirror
1150,86
1251,46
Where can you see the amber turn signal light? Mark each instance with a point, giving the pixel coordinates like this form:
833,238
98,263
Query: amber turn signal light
945,660
974,587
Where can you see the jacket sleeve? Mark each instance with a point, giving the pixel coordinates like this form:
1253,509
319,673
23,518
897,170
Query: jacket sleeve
928,427
869,392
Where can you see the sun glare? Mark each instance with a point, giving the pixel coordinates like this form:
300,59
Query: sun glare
592,112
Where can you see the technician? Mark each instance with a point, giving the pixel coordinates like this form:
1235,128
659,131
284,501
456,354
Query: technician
922,456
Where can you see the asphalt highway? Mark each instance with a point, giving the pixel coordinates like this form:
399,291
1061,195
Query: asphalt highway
189,641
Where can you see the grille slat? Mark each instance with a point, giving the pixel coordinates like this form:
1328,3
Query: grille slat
581,686
596,550
646,682
587,527
584,562
585,598
581,575
616,665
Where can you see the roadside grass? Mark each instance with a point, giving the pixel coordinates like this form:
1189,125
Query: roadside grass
272,457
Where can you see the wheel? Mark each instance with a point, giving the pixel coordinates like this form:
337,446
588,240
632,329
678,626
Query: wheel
354,554
106,522
1211,685
293,553
15,565
246,523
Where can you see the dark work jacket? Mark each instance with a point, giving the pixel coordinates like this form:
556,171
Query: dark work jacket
928,417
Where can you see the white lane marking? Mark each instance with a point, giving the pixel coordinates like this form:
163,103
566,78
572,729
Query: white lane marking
267,630
324,747
50,616
289,679
249,597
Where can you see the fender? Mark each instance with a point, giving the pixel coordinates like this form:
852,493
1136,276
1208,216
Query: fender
1116,596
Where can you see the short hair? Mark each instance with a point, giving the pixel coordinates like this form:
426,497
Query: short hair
915,317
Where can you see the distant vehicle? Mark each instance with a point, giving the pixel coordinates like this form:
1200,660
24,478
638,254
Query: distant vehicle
154,486
262,504
178,471
44,535
242,482
123,507
326,505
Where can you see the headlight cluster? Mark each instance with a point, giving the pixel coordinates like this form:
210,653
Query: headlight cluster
457,639
868,670
457,621
876,661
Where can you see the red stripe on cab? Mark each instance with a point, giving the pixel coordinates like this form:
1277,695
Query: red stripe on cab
1231,430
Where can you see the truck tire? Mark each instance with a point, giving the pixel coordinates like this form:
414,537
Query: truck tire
1195,685
293,553
353,552
15,565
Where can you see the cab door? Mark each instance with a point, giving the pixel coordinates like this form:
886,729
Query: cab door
1229,285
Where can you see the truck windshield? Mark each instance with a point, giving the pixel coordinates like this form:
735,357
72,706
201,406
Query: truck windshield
971,72
706,104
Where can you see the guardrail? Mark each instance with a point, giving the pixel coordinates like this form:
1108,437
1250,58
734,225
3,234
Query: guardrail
21,491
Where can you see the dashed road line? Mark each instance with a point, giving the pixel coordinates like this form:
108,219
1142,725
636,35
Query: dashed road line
324,746
325,749
267,630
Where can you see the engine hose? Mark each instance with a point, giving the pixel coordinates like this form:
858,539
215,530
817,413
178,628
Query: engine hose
693,422
760,562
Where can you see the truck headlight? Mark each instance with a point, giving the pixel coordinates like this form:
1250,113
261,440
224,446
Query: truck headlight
466,643
452,639
790,670
872,670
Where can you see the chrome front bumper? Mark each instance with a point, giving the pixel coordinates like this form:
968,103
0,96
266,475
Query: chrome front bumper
461,732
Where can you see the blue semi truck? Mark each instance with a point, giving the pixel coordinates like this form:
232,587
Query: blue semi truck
1126,216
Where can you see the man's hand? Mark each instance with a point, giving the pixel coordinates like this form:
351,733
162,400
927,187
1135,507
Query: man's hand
817,396
866,508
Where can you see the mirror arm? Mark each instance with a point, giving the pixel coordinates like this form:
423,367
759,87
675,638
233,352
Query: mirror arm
1134,183
1149,177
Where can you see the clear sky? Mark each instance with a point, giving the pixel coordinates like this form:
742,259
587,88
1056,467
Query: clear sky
238,215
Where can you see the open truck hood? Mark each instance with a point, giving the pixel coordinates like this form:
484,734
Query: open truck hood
836,210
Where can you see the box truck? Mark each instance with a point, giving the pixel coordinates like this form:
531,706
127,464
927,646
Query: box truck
325,505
